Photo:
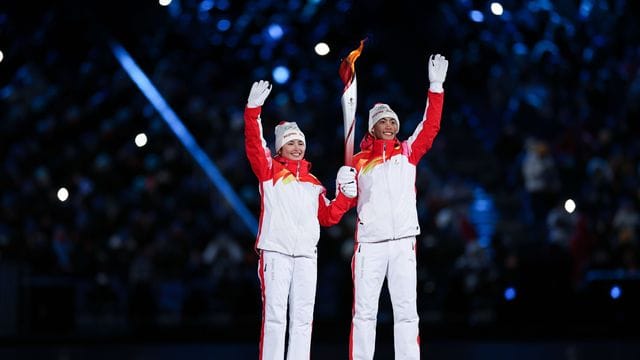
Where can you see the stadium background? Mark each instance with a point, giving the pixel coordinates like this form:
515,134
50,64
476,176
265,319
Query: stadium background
541,107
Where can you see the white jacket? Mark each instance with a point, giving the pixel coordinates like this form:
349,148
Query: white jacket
386,179
293,204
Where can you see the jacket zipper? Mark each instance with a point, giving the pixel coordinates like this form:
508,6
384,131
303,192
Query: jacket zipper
297,180
384,152
386,177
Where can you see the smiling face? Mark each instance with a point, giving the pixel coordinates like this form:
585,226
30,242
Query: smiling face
385,129
293,150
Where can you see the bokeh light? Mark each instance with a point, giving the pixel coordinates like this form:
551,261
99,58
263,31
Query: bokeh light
570,206
510,293
141,140
224,25
496,8
615,292
63,194
280,74
275,31
321,49
476,16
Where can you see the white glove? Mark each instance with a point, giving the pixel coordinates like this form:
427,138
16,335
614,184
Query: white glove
346,181
349,190
258,94
437,72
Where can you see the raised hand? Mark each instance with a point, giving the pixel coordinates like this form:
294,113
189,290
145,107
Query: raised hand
437,72
258,94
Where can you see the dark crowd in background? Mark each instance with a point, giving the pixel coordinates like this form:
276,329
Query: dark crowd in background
541,106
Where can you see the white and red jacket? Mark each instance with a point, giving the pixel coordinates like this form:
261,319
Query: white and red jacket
293,203
386,179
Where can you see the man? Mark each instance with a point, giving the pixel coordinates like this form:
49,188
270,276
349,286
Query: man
387,222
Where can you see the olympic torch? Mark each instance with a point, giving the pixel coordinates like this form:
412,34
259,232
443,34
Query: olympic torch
349,100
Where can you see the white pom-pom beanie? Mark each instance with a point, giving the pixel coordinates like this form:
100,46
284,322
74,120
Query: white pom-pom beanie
287,131
379,111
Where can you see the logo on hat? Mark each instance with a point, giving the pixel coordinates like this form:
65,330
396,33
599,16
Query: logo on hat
287,131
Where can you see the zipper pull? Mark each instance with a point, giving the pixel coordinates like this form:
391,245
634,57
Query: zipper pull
384,152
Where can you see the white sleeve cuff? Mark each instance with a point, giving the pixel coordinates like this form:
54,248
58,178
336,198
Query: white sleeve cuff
436,87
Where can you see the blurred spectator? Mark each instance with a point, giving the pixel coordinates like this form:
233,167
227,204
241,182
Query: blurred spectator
540,180
144,234
561,225
626,222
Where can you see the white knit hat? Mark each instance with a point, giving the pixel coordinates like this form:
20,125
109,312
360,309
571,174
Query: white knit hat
379,111
287,131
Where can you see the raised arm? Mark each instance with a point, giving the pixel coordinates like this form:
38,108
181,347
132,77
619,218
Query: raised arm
422,138
256,148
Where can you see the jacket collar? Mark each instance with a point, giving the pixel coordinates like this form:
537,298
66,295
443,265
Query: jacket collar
376,146
298,167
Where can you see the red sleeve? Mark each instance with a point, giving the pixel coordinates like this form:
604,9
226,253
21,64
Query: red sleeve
330,212
422,139
258,153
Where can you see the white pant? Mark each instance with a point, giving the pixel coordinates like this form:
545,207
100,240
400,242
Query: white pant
286,279
371,262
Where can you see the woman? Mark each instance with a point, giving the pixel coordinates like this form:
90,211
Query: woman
293,205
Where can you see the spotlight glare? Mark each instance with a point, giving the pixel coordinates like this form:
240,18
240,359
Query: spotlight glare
63,194
164,2
321,48
1,56
190,144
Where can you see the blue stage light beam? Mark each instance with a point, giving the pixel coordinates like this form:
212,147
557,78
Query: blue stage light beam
183,134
